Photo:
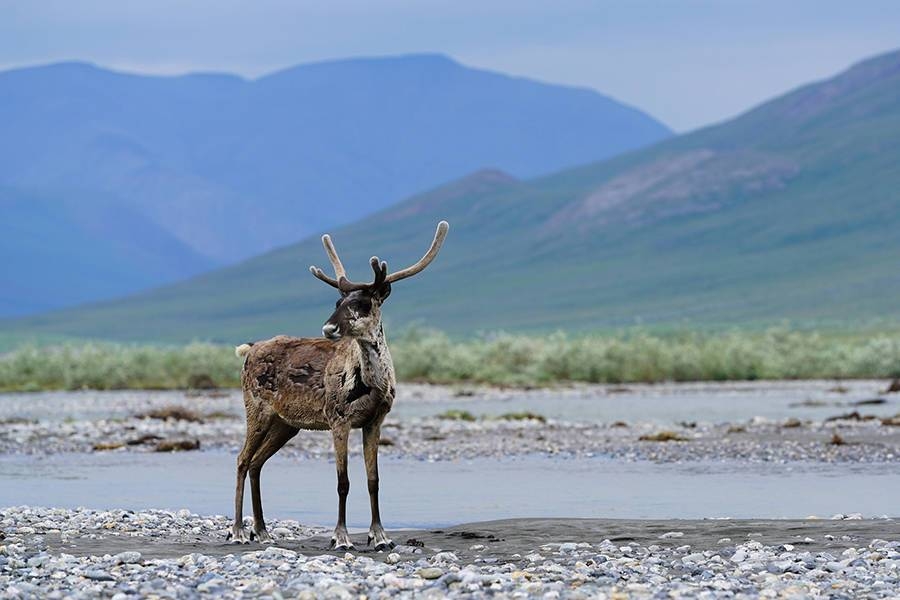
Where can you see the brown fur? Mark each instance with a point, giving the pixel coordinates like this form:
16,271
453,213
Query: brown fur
304,382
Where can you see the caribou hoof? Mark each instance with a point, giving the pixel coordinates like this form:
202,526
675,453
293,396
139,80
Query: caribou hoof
238,535
341,540
262,536
381,540
336,545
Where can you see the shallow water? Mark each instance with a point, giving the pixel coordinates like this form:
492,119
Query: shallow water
671,403
422,494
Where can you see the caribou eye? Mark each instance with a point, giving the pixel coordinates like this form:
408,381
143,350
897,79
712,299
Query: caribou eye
363,306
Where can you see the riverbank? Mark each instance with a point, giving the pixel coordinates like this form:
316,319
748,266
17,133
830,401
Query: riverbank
55,553
727,460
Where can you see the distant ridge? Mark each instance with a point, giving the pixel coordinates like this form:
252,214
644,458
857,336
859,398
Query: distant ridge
231,167
790,211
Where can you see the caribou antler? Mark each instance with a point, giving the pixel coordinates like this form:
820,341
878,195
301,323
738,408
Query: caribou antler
335,261
341,282
380,269
439,235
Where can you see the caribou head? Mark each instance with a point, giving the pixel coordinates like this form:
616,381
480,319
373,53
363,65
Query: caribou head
357,312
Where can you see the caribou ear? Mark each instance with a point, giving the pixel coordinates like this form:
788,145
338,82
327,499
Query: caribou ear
383,291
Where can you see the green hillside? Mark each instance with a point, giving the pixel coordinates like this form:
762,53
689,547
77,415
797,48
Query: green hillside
790,211
206,159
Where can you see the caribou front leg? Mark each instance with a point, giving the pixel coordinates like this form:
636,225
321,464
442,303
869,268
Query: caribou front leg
371,436
341,539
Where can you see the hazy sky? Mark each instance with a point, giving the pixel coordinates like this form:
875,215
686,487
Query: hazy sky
687,62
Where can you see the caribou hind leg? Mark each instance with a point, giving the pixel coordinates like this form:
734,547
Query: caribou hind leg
259,422
275,438
253,439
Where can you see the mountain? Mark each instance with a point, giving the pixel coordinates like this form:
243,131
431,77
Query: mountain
51,247
231,168
790,211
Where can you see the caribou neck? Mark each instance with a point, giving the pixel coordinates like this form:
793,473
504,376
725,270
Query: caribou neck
376,365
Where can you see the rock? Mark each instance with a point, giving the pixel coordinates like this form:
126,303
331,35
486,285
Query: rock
392,559
836,566
98,575
778,567
127,558
429,573
671,535
696,557
740,555
37,561
211,585
339,592
444,557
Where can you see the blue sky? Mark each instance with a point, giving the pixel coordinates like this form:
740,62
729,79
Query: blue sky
687,62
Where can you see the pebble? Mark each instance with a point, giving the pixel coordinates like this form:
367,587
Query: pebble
127,558
98,575
430,573
671,534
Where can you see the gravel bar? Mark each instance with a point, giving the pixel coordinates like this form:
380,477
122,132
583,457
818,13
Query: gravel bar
56,553
118,422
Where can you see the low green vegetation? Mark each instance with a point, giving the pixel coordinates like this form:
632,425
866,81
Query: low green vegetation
522,416
104,366
643,357
514,360
457,415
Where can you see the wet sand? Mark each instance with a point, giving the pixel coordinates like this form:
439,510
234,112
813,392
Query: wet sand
509,540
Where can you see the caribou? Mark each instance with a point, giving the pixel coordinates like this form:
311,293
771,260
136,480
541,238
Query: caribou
340,382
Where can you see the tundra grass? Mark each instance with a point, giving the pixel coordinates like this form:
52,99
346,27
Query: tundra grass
515,360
